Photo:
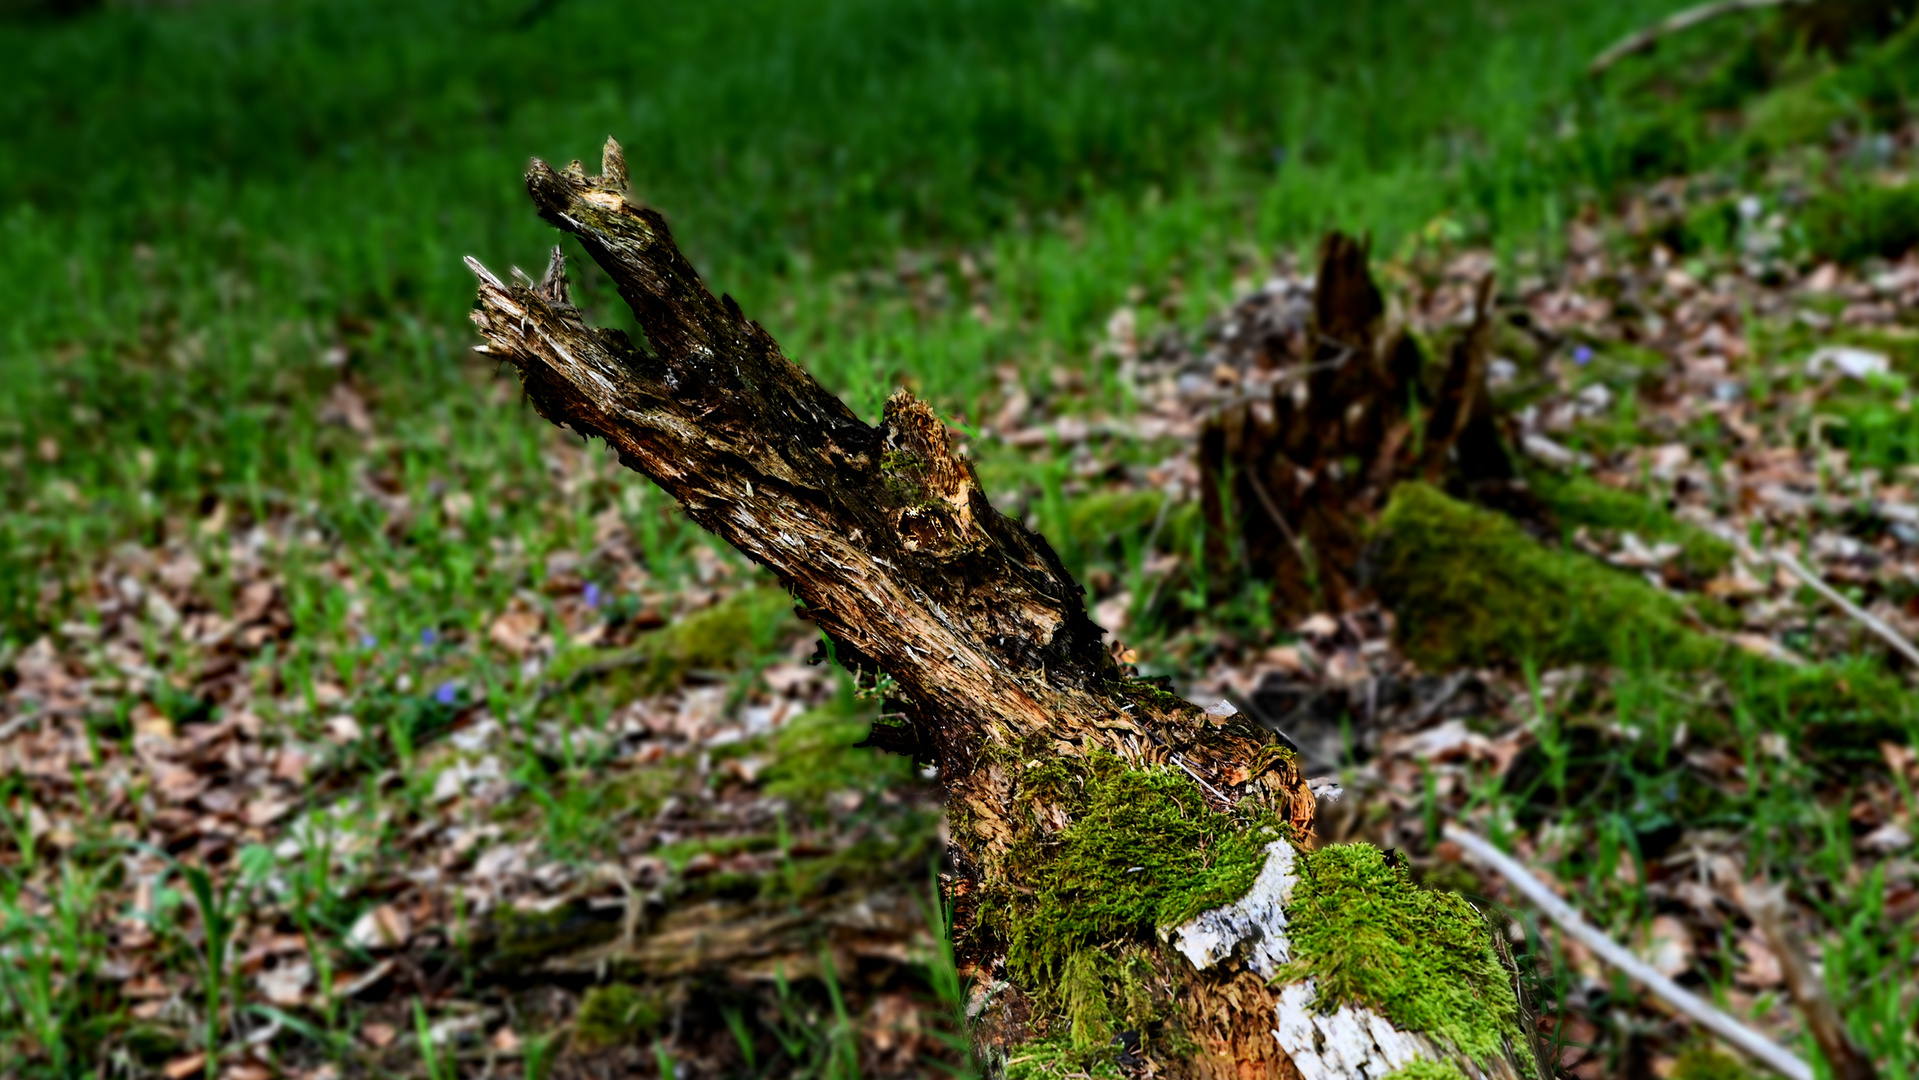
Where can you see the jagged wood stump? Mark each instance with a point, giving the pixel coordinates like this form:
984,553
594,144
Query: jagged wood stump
1131,878
1292,475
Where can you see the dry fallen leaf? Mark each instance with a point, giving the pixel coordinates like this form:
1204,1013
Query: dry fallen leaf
378,1035
382,927
1667,945
514,631
286,984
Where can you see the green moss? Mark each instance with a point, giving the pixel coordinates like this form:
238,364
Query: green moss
516,939
1863,220
1794,115
1701,1062
1426,1069
1056,1059
1140,850
615,1015
1371,937
1468,586
814,755
1577,499
1083,985
724,637
1102,520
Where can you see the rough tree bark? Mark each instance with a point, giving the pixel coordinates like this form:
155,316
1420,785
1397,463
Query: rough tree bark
1122,864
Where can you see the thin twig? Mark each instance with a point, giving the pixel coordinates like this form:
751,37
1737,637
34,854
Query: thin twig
1871,622
1646,37
1704,1013
1766,906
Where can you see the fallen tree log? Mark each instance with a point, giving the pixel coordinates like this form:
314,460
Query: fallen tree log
1132,880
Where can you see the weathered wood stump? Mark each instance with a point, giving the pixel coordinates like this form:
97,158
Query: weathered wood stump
1294,472
1132,878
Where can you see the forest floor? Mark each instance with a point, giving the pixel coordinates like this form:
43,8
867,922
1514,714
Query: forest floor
350,712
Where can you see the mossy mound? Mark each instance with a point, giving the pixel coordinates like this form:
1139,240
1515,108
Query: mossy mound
1468,586
1862,221
1104,519
724,637
1577,499
616,1014
1369,936
1056,1059
1700,1061
1072,903
814,755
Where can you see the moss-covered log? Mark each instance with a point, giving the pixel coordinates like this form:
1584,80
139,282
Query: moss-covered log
1132,878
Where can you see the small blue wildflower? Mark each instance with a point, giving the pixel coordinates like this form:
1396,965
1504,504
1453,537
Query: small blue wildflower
1583,355
368,641
447,693
428,636
592,595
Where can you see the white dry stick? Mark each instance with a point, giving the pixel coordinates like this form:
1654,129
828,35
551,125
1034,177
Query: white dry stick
1640,40
1704,1013
1869,621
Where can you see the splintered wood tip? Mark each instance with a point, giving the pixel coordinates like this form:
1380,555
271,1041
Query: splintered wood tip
613,166
553,282
483,273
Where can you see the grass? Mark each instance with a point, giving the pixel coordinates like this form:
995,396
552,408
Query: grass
226,227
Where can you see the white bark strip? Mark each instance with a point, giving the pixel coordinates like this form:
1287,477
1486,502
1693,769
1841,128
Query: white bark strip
1257,919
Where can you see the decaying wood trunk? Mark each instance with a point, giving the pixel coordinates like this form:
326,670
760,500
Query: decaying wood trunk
1292,473
1121,862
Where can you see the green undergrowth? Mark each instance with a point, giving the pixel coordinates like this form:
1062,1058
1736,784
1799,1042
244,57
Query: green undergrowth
1140,850
1468,586
1701,1061
616,1014
725,637
1369,936
1862,220
1577,499
813,756
1048,1059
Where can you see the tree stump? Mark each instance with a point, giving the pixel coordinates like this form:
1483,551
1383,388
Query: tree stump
1293,473
1132,879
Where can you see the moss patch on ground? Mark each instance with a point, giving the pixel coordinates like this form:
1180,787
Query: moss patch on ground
616,1014
1577,499
724,637
1701,1061
1103,854
814,755
1369,936
1103,520
1468,586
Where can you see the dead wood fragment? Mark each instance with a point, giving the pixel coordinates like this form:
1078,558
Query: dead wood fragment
1702,1012
1766,905
884,536
1646,37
